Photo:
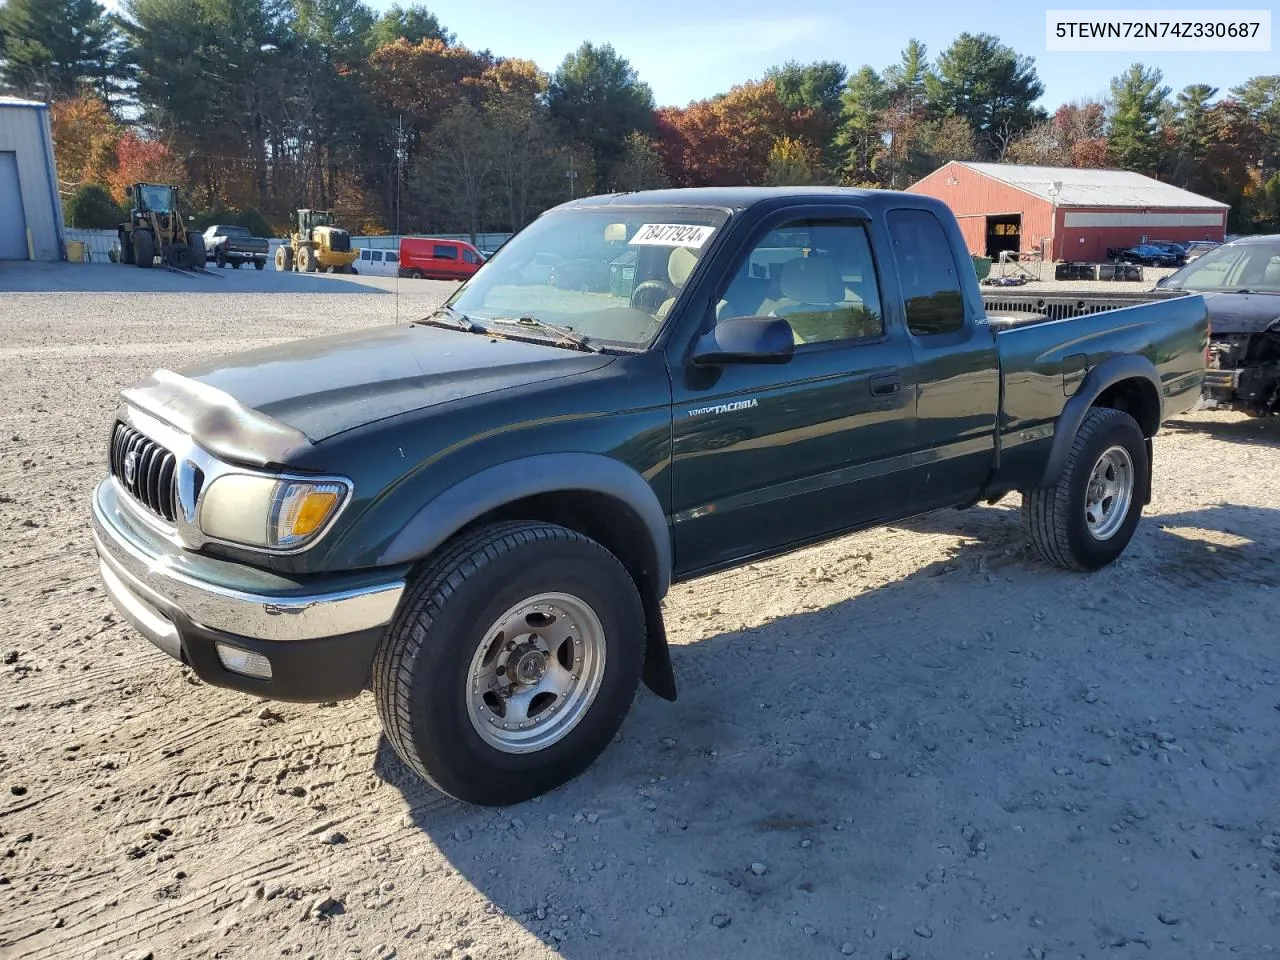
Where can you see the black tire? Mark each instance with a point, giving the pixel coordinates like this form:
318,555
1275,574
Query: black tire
144,249
420,671
220,258
126,249
259,264
197,256
1055,518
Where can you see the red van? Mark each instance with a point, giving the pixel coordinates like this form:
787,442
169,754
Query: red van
438,259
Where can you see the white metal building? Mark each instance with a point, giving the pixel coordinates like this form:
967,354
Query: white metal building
30,208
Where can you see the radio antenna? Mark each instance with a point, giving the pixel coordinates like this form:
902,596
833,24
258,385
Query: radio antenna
399,167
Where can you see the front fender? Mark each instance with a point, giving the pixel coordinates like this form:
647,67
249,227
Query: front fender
1127,366
436,521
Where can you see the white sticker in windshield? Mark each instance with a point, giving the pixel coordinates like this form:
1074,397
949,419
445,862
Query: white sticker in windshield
671,235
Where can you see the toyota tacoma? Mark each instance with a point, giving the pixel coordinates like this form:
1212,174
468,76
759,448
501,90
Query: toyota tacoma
476,516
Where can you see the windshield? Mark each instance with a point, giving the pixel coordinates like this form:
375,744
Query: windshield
610,273
233,231
157,199
1233,266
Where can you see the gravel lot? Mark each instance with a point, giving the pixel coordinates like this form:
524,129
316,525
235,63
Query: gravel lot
913,742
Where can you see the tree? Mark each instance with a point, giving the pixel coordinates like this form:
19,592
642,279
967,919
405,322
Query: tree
724,140
791,163
859,142
641,166
143,161
54,48
51,48
812,93
92,208
1260,96
596,98
456,173
950,139
1138,99
908,79
990,86
1193,133
527,163
85,135
412,24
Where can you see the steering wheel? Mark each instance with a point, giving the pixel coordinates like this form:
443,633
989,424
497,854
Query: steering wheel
651,294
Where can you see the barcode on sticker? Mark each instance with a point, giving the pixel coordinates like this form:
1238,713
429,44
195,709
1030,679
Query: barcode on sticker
671,235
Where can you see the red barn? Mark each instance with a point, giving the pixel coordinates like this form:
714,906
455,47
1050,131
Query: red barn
1066,212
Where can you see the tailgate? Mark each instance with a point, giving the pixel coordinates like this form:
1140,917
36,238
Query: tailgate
246,245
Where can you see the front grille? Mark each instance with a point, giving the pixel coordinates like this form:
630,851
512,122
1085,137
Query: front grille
153,470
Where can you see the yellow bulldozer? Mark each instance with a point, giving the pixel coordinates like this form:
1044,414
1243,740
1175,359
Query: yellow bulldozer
317,245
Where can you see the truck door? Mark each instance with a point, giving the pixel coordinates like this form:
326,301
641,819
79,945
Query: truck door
957,368
768,456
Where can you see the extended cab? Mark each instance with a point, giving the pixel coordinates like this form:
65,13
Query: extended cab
229,244
477,515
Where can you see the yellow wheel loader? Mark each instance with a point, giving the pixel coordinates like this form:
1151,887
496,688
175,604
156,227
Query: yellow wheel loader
317,245
156,228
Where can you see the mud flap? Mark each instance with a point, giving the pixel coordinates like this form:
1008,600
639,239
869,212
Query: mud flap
659,676
1146,493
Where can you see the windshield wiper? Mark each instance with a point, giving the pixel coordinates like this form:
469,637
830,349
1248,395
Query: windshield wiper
460,320
565,333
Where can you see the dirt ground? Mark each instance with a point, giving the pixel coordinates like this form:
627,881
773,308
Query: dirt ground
913,742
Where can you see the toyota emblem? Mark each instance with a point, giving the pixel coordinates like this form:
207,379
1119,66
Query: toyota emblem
130,466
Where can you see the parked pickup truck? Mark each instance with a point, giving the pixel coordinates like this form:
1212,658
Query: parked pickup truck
477,515
228,244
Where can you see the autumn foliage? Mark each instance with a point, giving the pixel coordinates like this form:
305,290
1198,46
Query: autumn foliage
142,161
85,135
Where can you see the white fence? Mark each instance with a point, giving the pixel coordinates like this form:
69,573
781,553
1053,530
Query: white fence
98,242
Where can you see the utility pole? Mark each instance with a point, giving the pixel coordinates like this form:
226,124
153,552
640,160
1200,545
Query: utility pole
572,174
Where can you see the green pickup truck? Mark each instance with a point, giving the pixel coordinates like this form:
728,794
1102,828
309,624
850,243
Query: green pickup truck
477,515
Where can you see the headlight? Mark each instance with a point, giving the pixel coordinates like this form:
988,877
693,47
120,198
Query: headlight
269,513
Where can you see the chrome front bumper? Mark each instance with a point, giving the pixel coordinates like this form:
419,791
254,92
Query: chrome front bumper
149,581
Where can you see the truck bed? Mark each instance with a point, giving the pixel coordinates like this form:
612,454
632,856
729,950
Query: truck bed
1015,309
1044,360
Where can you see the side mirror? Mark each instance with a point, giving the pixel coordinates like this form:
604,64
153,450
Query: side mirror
746,340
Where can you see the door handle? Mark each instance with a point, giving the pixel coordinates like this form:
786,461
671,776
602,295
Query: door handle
886,384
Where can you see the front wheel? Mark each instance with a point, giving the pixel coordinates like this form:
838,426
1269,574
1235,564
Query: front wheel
512,662
1086,519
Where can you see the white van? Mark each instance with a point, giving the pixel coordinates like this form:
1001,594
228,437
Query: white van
377,263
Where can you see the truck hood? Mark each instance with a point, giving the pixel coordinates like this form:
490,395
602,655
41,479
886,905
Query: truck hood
1242,312
264,406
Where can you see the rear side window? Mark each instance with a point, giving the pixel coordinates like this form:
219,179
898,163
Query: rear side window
927,268
445,252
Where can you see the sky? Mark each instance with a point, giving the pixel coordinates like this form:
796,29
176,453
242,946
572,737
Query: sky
689,49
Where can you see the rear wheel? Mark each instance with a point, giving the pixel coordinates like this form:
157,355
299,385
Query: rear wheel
126,248
284,258
306,260
259,264
144,249
512,662
220,258
1089,516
